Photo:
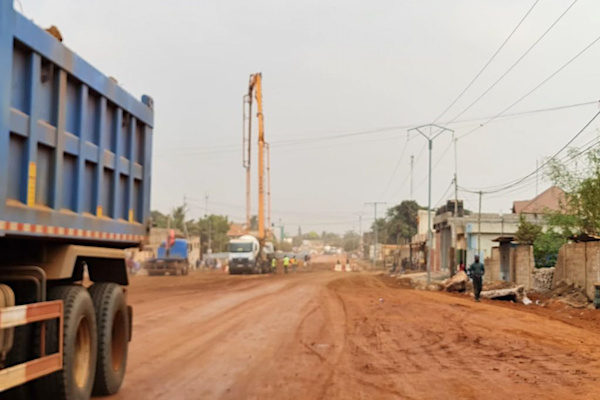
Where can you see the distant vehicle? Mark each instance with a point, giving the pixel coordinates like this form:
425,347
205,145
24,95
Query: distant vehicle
246,256
172,259
331,250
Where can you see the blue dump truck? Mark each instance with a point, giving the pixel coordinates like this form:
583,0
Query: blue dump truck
75,163
172,258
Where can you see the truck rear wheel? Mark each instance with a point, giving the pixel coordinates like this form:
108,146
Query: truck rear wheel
75,380
113,337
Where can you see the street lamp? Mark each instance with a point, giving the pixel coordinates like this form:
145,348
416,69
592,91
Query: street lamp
430,136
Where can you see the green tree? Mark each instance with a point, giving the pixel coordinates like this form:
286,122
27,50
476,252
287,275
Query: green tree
351,241
580,211
332,239
297,241
159,219
546,247
402,221
311,236
527,232
254,223
217,226
381,224
178,218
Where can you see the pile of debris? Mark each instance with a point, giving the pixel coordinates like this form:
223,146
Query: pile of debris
542,279
497,290
515,293
571,294
457,283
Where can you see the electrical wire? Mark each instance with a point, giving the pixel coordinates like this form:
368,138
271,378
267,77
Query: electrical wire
231,148
515,63
444,195
387,187
593,42
544,164
487,63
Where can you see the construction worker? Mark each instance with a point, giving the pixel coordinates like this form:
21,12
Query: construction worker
476,272
286,263
274,265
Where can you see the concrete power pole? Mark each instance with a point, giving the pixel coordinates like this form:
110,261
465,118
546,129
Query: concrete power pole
479,226
376,231
412,165
454,230
360,234
430,136
209,250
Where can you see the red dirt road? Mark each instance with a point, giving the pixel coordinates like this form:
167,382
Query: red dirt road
328,336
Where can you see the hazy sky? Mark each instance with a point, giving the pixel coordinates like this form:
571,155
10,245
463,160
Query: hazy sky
337,67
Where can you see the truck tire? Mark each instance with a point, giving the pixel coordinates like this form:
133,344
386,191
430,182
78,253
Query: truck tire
113,337
76,379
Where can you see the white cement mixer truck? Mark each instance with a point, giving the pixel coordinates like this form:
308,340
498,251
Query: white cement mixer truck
247,256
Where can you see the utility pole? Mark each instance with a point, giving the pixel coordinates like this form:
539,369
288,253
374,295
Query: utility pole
374,204
454,240
247,152
209,250
455,180
479,226
167,244
185,230
536,177
430,136
412,165
360,234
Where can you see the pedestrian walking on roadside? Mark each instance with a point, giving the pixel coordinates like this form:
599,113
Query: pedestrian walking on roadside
293,263
476,272
286,263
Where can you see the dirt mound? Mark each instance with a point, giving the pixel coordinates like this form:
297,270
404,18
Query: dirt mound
570,294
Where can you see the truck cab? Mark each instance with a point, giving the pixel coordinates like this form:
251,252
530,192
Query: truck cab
172,259
243,254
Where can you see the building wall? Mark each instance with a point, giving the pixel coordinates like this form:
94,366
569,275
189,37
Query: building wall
422,217
436,252
492,266
580,264
523,265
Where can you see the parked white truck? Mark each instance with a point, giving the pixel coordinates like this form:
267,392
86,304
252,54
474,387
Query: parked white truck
247,256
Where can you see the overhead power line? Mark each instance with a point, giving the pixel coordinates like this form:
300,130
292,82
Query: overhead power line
482,95
543,165
487,63
586,48
389,184
217,149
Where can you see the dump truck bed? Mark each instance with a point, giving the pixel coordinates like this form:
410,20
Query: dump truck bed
75,148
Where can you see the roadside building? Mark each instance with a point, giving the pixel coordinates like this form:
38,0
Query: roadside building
418,251
462,236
